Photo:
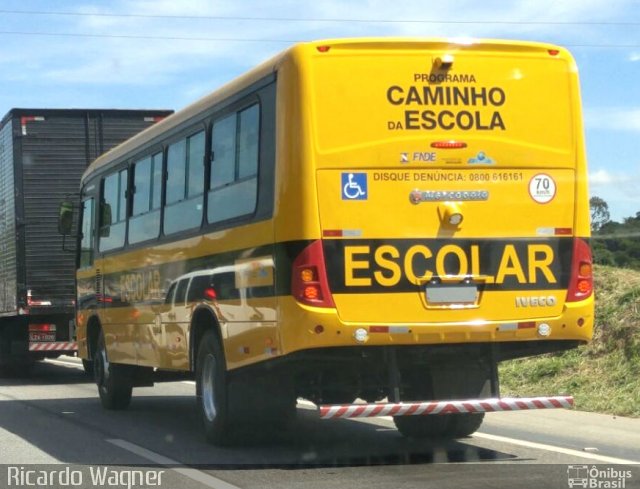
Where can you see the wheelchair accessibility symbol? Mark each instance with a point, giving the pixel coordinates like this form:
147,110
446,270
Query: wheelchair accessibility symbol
354,186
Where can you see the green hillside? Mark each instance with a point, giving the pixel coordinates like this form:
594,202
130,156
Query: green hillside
603,376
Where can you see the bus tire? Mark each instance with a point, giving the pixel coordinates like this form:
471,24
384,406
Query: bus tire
430,426
465,424
113,380
87,365
212,391
444,426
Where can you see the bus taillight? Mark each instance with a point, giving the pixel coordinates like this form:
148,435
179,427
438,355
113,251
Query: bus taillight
581,283
309,283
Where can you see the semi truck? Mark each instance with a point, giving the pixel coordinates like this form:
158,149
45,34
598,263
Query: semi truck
43,153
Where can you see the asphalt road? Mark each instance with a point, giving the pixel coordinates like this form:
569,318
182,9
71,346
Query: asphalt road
51,422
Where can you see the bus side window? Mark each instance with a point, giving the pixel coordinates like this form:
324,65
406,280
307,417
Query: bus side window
144,223
185,184
113,211
234,167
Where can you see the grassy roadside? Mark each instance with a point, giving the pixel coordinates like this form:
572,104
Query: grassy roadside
603,376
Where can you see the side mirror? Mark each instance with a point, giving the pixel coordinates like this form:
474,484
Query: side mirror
105,220
65,217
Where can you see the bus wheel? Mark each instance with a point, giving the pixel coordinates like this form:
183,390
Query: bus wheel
445,426
212,391
465,424
432,426
88,367
114,383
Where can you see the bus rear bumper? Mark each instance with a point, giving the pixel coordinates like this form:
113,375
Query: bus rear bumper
443,407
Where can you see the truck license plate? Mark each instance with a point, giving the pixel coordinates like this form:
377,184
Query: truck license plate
42,337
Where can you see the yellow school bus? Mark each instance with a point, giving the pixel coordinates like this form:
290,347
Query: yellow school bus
369,224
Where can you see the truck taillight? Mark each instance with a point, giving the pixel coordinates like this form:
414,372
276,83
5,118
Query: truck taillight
581,282
42,328
309,283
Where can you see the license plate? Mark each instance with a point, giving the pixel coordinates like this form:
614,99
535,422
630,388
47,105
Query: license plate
42,337
445,294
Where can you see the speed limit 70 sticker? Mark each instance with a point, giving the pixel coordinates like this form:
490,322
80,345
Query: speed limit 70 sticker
542,188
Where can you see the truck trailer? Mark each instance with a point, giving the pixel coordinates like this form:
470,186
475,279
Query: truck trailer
43,153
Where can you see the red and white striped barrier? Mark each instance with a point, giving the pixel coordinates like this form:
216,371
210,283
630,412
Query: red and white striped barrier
444,407
54,346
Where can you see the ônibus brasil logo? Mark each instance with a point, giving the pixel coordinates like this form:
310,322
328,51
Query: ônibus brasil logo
593,477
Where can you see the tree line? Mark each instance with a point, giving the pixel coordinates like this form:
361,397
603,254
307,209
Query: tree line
614,243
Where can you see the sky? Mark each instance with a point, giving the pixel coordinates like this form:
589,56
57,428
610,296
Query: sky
165,54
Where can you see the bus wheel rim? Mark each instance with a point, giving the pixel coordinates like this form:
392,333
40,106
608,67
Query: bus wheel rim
208,390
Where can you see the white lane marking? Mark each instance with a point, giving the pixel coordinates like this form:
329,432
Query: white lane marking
188,382
193,474
552,448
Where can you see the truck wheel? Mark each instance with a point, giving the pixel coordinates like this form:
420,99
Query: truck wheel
113,380
212,391
444,426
